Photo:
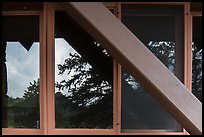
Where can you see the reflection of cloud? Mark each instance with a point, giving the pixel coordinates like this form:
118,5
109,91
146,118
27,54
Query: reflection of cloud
62,50
22,67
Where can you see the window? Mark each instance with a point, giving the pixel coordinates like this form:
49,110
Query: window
160,29
20,90
57,79
83,78
81,88
197,56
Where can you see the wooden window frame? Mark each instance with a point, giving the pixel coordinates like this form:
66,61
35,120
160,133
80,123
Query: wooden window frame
190,40
42,74
47,113
190,35
188,48
51,8
186,78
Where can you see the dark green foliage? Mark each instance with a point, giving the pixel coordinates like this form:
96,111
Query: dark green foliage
89,103
164,51
197,72
24,112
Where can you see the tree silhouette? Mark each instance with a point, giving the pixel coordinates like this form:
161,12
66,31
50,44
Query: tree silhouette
164,51
137,103
89,95
24,112
197,72
89,99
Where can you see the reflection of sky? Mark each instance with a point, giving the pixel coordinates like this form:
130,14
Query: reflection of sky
62,50
22,67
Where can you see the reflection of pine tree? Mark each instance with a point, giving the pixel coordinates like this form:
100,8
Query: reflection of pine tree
164,51
89,95
197,72
31,95
26,109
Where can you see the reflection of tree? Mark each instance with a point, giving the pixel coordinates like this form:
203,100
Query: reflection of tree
164,51
24,112
89,100
197,72
137,103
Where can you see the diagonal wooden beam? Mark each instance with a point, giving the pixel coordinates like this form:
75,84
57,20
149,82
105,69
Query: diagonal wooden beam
124,46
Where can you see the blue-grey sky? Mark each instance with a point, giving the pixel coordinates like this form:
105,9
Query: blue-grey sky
23,66
62,50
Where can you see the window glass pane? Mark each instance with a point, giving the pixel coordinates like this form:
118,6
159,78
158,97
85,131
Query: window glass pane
160,29
197,58
83,78
20,72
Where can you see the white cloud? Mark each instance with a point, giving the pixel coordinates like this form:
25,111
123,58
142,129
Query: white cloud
62,50
22,67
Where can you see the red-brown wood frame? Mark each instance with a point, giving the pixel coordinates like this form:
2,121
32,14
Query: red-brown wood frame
47,55
102,28
42,70
189,47
52,7
186,10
